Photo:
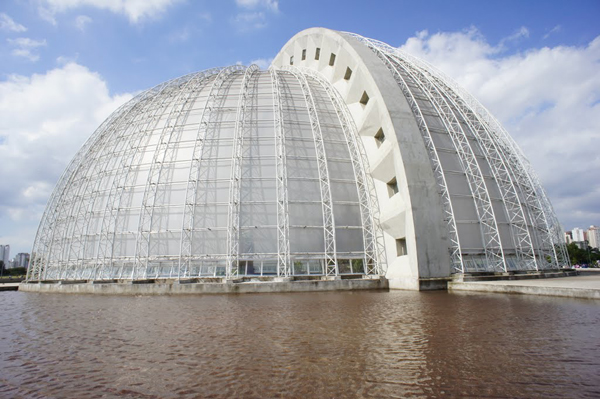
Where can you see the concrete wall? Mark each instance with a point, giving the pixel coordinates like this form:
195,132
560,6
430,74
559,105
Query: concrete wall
415,212
175,288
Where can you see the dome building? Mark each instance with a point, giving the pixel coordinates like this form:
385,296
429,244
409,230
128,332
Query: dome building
347,158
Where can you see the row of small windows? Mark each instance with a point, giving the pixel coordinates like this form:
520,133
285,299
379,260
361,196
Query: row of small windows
392,185
317,56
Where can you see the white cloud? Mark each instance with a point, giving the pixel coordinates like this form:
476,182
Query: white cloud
250,21
547,98
552,31
8,24
135,10
272,5
263,63
81,21
257,17
25,47
44,119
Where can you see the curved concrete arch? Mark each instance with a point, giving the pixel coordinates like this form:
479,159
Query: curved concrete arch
414,214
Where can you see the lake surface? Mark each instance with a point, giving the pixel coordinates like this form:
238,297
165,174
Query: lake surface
302,345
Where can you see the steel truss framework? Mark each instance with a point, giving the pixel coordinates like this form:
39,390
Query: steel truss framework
235,171
106,218
369,205
283,223
331,264
535,232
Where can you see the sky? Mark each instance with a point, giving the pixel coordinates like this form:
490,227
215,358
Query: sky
65,65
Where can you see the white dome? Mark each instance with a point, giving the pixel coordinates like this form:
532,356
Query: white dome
347,157
236,166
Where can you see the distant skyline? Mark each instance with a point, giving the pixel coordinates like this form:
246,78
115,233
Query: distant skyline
67,64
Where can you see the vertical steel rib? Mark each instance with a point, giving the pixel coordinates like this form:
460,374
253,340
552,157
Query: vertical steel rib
187,237
233,224
374,246
136,133
539,208
331,265
492,243
283,225
42,248
525,250
179,106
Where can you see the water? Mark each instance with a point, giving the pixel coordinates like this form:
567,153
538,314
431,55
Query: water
360,344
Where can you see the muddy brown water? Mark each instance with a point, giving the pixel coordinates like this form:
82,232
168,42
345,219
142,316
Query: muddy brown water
301,345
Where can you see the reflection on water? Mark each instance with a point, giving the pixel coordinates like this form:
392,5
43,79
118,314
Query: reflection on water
360,344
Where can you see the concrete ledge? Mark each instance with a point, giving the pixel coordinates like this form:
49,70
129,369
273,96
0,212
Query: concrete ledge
490,276
568,292
9,287
190,288
418,284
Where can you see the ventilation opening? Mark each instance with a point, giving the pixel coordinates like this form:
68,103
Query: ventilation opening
365,98
401,246
332,59
348,74
317,53
303,54
392,187
379,137
292,60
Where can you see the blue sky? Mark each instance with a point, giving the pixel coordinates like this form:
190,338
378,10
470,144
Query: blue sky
66,64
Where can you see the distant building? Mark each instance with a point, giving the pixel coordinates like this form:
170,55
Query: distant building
4,254
578,234
21,260
594,236
568,237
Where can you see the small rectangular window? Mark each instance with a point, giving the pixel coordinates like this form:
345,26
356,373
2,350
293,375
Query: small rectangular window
392,187
379,137
365,98
292,60
303,54
332,59
348,74
401,246
317,53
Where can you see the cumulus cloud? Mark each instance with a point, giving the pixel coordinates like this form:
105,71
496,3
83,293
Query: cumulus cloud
135,10
272,5
250,21
256,17
25,47
8,24
44,119
547,98
81,21
263,63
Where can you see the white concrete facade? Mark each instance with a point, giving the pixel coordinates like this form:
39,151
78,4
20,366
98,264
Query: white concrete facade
468,200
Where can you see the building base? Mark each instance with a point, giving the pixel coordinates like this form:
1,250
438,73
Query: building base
194,286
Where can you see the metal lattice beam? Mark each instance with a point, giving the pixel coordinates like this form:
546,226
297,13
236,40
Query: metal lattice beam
491,237
233,230
538,207
180,105
136,135
374,245
525,250
283,224
187,236
331,265
455,248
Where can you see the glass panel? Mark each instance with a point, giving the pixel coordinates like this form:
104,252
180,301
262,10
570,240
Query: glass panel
344,266
358,266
